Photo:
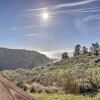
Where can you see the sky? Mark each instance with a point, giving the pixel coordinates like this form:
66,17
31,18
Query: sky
69,22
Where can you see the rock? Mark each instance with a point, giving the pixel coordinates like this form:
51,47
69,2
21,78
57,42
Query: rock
9,91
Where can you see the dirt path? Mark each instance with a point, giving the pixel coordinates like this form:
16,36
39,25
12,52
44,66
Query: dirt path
8,91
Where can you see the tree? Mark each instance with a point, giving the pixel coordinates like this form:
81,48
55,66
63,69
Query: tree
84,50
95,48
77,50
65,55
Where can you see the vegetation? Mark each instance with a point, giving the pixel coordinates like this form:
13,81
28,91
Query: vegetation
65,97
77,50
95,48
65,55
76,75
15,58
84,50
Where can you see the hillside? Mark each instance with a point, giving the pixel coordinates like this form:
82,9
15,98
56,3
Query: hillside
8,91
75,75
15,58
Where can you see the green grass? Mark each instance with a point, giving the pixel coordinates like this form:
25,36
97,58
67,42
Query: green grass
42,96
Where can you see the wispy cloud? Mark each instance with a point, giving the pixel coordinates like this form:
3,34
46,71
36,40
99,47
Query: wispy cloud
80,25
26,27
73,4
55,7
31,34
38,34
91,17
90,10
13,28
30,27
72,11
83,23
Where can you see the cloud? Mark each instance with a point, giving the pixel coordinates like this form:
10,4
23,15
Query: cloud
31,35
26,27
81,26
13,28
84,10
55,7
83,2
30,26
38,34
84,23
56,54
91,17
81,22
72,11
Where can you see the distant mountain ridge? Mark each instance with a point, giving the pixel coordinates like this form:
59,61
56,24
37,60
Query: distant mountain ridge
20,58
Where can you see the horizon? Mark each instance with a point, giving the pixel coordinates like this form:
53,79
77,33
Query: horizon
49,26
58,54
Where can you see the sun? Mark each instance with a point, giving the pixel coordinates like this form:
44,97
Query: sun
45,16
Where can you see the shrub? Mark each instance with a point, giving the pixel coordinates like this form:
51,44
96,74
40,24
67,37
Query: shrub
32,90
21,85
88,88
51,90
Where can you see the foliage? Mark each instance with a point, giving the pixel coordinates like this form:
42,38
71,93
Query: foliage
65,55
45,96
84,50
74,75
16,58
77,50
95,48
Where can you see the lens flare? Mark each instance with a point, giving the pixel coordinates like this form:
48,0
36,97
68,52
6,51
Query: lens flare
45,16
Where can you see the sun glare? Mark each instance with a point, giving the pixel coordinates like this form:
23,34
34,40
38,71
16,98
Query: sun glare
45,15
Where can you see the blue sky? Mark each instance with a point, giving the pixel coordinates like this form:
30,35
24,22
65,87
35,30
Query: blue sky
70,22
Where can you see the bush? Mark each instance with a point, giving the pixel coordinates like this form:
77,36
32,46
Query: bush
21,85
32,90
51,90
36,88
88,88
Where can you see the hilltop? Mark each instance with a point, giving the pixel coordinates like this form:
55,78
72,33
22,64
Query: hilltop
20,58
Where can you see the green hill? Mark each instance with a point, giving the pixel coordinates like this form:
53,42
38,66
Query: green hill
79,74
19,58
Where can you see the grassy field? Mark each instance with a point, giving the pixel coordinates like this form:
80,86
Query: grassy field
64,97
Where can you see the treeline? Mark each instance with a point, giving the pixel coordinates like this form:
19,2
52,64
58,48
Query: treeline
93,50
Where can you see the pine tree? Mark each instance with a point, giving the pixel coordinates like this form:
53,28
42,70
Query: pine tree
65,55
84,50
95,48
77,50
